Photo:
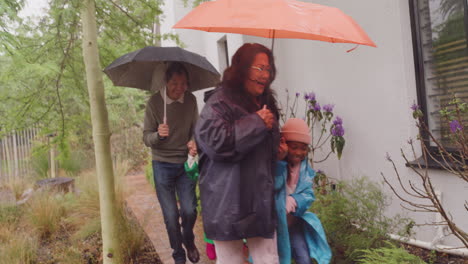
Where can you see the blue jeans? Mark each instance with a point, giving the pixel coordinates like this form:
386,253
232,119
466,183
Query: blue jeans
299,248
169,179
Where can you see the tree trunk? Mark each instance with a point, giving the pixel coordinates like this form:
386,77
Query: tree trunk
101,136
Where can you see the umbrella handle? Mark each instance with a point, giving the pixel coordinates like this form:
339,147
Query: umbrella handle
165,103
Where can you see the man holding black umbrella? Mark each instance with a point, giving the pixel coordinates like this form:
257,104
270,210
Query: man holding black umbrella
170,118
168,128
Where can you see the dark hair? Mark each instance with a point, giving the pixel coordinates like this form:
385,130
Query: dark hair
236,74
176,68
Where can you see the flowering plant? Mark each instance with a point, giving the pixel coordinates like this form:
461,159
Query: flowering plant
321,119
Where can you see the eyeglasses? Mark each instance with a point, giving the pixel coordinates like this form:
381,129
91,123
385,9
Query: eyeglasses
262,69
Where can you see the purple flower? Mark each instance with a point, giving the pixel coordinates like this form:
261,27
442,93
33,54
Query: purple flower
297,94
337,121
414,107
317,107
328,108
319,172
455,126
337,130
309,96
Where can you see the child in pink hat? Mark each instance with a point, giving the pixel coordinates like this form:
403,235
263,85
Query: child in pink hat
300,233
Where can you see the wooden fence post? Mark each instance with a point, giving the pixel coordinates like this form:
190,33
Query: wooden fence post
8,157
15,154
52,154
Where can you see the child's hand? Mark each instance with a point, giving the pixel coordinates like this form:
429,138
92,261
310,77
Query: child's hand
283,149
192,147
290,204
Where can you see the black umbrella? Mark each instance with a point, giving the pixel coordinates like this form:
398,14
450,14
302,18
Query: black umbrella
145,68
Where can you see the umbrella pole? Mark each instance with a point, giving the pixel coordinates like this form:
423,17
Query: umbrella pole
273,41
165,104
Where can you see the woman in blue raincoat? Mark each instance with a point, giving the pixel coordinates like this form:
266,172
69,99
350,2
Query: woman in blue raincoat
300,232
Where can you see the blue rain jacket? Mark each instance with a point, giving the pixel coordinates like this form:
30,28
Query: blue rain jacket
304,196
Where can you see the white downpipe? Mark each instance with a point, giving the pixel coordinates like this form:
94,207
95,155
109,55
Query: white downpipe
429,245
440,229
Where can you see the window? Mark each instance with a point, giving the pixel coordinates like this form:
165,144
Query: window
440,36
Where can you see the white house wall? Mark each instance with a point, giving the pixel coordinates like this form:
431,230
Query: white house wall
371,88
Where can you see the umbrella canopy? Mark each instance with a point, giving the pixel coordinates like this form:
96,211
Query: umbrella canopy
276,19
146,67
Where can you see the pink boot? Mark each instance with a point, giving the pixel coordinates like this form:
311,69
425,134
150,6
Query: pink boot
210,251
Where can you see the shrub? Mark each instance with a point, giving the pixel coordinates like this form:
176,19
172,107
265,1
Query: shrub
353,217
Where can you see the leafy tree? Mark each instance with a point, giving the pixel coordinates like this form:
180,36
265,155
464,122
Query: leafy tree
42,73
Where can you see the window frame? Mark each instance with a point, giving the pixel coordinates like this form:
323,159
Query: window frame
420,77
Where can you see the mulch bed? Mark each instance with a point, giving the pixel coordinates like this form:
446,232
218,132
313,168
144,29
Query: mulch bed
147,255
434,257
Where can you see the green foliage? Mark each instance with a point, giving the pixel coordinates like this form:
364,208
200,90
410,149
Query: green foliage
337,145
42,81
195,3
353,217
71,165
40,162
390,254
432,257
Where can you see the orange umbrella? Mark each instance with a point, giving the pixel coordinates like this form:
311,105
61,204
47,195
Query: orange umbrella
276,19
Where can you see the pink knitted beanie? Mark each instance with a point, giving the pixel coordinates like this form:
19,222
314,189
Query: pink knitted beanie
296,129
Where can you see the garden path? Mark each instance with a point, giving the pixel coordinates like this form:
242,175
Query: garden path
144,204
